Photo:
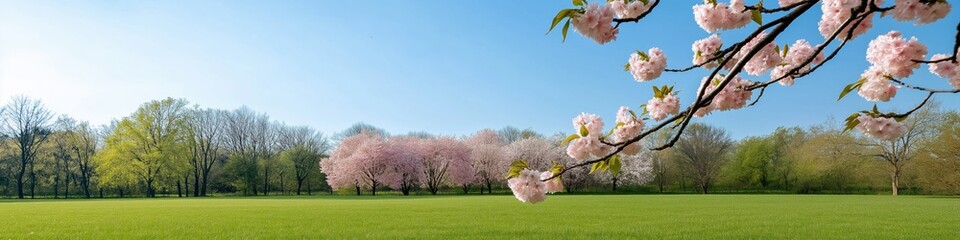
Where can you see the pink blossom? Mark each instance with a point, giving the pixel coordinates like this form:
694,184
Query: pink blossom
650,68
706,49
908,10
527,187
629,126
946,69
732,96
767,58
720,16
596,23
894,55
629,10
876,87
660,108
799,52
592,122
586,148
552,185
882,128
835,12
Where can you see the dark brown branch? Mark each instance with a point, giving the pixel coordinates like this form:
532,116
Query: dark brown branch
716,56
636,19
779,9
763,89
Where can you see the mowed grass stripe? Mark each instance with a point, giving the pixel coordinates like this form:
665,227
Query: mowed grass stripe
446,217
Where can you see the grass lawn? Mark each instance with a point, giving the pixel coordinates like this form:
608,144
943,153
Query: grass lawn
444,217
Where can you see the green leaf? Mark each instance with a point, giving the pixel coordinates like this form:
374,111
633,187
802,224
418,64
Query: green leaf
786,49
634,114
875,110
557,168
564,13
850,87
757,17
645,2
615,165
657,93
569,138
714,2
852,122
516,167
626,67
584,131
566,28
643,55
578,2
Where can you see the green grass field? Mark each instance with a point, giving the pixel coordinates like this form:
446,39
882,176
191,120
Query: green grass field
444,217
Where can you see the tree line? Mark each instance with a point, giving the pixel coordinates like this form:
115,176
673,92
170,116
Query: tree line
164,147
169,147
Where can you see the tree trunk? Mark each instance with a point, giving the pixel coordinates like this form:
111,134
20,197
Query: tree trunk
895,182
358,189
179,192
615,184
466,188
489,187
33,181
266,177
373,188
101,193
282,191
299,184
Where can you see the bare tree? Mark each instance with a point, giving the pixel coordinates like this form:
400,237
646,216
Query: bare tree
246,138
207,126
27,122
702,148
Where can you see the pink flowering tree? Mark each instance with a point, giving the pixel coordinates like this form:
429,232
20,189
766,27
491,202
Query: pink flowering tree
405,169
362,160
446,161
729,65
488,157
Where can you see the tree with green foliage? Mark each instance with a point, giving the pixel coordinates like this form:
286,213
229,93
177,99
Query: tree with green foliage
151,145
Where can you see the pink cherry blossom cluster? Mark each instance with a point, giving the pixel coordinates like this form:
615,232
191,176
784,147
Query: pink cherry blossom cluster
588,146
628,9
720,16
883,128
647,68
527,187
706,49
894,55
630,128
946,69
733,96
907,10
876,87
660,108
799,52
835,12
767,58
596,23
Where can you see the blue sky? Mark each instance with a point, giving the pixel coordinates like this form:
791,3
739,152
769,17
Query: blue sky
440,67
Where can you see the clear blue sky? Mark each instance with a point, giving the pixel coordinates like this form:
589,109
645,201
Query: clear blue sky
441,67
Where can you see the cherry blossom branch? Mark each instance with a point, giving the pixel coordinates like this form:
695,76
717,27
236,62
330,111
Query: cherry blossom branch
781,25
821,47
762,89
779,9
956,47
719,55
907,85
636,19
